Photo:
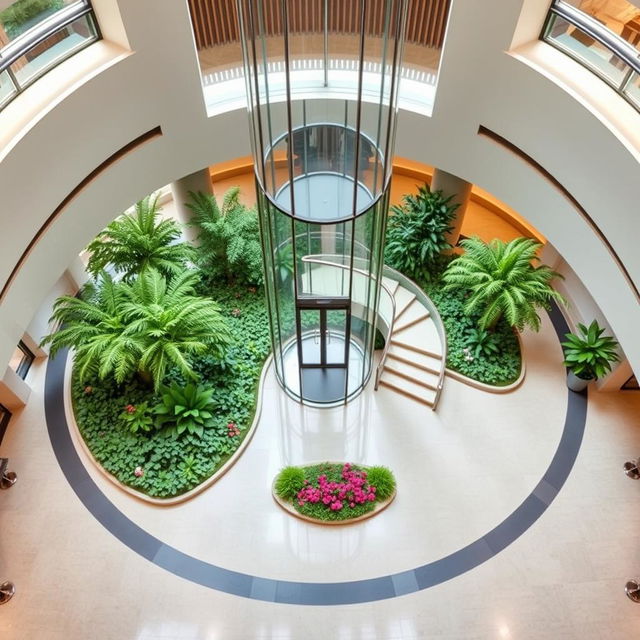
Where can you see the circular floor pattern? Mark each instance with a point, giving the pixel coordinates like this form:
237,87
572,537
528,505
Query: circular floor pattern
312,593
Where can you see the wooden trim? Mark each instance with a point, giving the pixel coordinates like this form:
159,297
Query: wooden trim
103,166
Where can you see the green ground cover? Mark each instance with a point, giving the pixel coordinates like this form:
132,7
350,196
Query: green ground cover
163,466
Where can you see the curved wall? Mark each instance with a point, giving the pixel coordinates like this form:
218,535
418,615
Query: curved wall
152,80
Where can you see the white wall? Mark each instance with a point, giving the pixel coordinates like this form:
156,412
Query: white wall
151,79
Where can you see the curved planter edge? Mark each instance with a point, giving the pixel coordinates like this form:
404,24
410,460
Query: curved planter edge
80,444
489,387
290,509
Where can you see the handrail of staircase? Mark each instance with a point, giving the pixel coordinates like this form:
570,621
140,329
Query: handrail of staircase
322,259
424,299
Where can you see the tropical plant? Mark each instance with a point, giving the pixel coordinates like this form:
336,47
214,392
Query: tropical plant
138,241
288,482
590,354
146,327
228,237
417,230
481,342
137,417
502,281
169,323
187,409
23,14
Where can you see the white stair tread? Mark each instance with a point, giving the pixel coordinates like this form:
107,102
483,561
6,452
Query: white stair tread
400,385
422,335
426,377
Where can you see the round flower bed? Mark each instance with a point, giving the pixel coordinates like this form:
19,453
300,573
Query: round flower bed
334,492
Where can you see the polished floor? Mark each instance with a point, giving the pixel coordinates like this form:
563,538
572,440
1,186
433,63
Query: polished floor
461,472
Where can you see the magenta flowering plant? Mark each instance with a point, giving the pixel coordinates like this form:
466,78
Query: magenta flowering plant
334,491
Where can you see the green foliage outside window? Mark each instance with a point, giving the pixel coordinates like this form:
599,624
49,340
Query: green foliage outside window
24,14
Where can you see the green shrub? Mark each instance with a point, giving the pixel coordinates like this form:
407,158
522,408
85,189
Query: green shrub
187,409
24,14
481,342
228,238
589,354
416,232
288,482
383,480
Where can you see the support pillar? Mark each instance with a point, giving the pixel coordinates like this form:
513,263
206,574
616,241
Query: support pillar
461,191
198,181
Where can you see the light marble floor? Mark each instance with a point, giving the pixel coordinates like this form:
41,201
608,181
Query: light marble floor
460,472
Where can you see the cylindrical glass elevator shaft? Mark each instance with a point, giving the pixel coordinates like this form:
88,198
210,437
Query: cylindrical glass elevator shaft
322,140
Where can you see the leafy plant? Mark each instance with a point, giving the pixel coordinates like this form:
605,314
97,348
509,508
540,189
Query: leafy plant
23,14
187,409
146,327
139,241
229,240
137,417
417,230
481,342
590,354
383,480
288,482
502,281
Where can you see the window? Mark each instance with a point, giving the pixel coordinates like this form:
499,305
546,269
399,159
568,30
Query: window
604,36
36,35
5,416
21,360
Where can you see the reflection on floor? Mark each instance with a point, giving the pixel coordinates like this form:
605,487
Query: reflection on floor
460,471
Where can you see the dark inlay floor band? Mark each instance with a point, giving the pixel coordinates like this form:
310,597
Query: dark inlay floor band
312,593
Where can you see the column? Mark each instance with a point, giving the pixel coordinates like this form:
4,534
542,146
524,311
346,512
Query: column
198,181
461,191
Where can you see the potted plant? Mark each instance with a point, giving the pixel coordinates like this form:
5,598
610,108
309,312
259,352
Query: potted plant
588,355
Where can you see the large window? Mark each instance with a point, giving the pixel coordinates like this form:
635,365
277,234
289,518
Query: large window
603,35
36,35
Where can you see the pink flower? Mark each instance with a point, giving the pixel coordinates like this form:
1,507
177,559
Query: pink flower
138,472
88,390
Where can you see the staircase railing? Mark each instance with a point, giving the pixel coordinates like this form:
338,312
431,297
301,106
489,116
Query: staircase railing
426,301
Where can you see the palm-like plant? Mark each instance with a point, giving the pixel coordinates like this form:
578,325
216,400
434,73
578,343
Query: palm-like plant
228,237
503,281
170,323
138,241
94,324
417,231
590,354
144,327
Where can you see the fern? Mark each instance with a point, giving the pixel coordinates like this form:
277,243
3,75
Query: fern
502,280
136,242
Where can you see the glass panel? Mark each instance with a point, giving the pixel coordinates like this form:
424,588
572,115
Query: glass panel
311,341
633,89
54,49
620,16
335,336
25,14
7,88
589,51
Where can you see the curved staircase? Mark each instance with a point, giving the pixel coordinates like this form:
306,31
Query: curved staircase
414,360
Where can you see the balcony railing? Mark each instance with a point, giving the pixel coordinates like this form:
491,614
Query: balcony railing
46,44
594,45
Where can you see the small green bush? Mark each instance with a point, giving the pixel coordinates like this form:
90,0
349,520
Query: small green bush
288,482
383,480
187,409
137,417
